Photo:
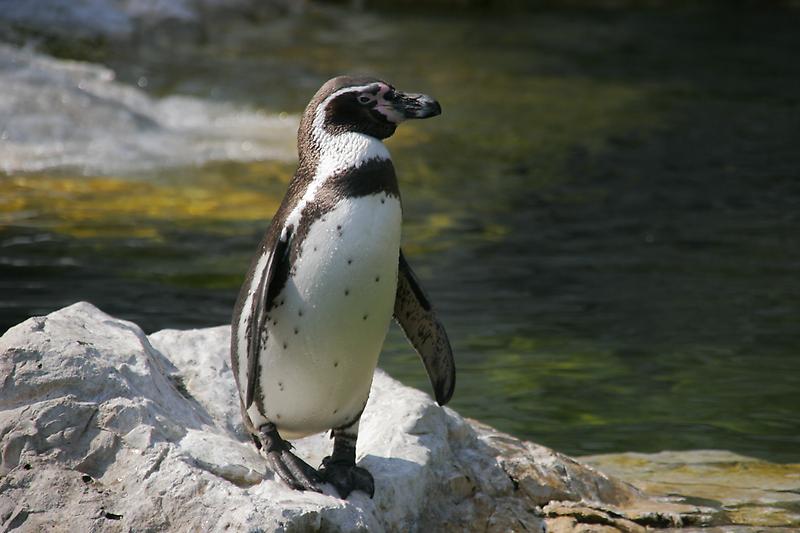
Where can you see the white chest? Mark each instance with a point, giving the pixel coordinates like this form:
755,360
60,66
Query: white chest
330,320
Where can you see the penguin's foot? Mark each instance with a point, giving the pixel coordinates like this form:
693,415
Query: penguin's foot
291,469
347,477
294,471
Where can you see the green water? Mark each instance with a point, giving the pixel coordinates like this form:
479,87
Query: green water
606,215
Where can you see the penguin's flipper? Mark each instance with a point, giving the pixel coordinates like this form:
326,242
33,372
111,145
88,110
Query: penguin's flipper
413,311
261,303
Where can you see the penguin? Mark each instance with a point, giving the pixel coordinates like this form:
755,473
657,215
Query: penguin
328,277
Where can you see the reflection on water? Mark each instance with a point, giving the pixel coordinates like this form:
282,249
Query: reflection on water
606,214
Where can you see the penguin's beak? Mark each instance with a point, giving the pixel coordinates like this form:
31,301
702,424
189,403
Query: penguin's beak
413,105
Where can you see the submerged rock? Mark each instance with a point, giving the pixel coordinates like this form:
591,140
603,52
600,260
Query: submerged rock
104,428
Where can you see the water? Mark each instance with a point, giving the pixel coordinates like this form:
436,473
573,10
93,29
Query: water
605,215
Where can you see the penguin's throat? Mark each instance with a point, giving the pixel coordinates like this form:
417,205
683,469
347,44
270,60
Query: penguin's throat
336,154
350,150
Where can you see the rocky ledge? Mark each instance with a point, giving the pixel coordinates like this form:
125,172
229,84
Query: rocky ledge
104,428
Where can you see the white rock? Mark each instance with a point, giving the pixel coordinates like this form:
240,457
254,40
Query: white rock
77,18
105,429
118,19
57,113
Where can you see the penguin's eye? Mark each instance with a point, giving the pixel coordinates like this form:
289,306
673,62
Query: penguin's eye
364,99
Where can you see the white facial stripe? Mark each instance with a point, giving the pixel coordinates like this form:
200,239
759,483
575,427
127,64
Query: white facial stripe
337,152
319,115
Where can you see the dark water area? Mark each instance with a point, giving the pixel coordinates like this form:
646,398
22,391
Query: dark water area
606,215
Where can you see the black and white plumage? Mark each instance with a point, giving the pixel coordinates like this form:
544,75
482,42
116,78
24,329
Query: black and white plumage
329,275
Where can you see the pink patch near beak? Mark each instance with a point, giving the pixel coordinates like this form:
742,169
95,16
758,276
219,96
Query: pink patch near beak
386,108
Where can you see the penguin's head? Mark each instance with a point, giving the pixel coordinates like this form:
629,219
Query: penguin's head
364,105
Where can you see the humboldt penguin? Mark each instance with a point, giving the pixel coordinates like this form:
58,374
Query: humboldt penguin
316,304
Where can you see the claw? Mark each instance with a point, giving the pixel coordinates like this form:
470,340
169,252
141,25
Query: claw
291,469
347,477
294,471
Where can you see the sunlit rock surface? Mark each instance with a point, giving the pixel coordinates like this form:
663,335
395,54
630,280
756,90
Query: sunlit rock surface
69,114
743,490
106,429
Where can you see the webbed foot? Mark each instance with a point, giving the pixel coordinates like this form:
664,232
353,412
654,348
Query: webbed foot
346,477
291,469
